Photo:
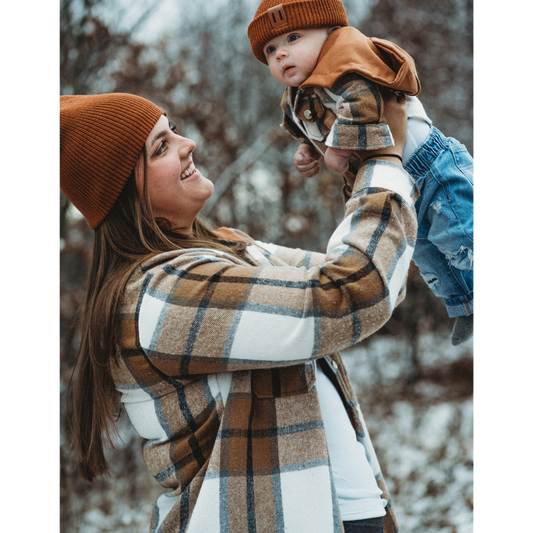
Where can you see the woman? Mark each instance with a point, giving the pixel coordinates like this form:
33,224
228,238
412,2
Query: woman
223,350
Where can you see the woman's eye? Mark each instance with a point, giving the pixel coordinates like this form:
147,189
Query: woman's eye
162,148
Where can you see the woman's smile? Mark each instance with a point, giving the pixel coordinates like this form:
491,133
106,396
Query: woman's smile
190,170
176,188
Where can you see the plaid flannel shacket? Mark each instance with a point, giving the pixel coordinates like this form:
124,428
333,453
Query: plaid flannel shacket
218,360
341,104
332,117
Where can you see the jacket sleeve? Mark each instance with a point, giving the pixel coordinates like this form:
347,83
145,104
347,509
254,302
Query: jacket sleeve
200,311
360,123
295,257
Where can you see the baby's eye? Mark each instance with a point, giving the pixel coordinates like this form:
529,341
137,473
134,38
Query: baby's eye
270,49
292,38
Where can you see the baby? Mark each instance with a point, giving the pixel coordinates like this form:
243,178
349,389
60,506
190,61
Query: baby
335,80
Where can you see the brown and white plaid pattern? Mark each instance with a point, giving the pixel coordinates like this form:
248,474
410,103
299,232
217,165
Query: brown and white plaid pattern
341,104
347,116
218,361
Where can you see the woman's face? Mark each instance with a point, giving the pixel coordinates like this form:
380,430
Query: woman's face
177,190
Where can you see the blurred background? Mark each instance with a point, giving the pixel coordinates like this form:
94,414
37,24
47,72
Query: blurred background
193,59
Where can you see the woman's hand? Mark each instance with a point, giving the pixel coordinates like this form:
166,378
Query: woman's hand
396,116
307,160
337,159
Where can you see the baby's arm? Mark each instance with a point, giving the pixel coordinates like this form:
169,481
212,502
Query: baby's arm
307,160
360,123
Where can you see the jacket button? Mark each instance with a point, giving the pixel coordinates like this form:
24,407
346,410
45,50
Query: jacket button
334,365
307,114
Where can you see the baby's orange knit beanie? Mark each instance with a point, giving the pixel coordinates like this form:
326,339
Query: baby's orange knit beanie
274,18
101,139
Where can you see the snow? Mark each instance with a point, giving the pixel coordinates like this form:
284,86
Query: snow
423,439
422,435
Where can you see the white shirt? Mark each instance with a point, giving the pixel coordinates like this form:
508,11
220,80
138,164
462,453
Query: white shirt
418,127
357,490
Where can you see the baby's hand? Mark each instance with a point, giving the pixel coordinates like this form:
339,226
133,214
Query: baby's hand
306,160
337,159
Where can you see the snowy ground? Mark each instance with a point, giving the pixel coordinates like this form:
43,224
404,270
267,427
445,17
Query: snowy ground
421,428
423,431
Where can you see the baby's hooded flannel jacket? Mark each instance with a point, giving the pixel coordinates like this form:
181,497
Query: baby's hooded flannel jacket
218,360
340,105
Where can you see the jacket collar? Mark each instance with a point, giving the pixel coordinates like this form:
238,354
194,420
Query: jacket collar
348,50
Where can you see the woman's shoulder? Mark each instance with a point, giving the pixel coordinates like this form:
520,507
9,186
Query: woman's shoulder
187,259
232,234
183,259
164,273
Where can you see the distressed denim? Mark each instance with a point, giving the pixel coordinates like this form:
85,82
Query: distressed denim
444,252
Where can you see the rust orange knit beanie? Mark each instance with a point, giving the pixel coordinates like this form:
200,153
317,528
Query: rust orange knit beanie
275,17
101,139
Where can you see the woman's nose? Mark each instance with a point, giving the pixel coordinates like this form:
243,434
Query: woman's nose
187,146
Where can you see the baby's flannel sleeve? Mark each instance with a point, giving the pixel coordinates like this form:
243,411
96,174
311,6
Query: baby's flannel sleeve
360,123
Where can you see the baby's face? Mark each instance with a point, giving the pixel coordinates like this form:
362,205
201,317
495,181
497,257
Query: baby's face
292,57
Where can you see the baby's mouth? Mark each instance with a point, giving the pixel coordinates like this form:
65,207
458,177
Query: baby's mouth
287,69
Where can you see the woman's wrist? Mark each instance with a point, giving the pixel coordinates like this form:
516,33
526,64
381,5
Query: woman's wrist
391,153
395,158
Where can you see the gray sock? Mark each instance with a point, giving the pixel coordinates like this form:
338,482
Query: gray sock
463,329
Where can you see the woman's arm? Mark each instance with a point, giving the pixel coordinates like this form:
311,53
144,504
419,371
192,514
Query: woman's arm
200,311
295,257
197,311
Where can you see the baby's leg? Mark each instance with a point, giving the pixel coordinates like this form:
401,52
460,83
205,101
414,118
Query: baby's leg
453,285
444,251
450,210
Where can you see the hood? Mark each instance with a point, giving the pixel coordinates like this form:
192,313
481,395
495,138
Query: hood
348,50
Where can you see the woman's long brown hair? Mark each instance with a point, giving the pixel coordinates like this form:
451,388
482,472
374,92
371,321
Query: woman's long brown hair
128,236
